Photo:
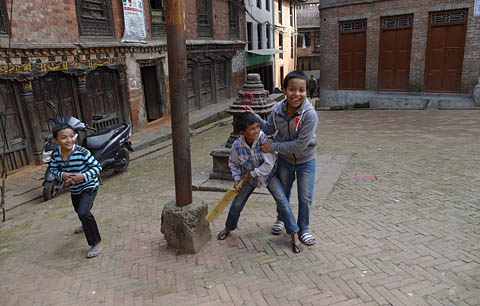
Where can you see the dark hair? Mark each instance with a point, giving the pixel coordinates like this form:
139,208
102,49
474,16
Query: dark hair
295,74
245,119
59,127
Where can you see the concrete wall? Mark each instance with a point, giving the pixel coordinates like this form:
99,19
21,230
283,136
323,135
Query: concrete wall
288,30
335,11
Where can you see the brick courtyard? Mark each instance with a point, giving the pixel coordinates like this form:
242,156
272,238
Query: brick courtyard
396,214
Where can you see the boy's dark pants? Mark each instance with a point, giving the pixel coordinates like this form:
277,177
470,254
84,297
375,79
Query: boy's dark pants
83,203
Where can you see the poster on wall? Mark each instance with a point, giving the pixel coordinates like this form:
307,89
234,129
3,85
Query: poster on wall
476,10
134,21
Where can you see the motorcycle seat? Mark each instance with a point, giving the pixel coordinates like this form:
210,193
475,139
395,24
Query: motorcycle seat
101,138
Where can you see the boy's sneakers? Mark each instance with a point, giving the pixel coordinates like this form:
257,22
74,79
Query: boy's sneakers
78,230
94,251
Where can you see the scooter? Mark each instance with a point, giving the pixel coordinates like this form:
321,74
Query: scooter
109,146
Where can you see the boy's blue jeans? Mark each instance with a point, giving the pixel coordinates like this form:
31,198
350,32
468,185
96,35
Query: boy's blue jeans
83,203
305,174
283,205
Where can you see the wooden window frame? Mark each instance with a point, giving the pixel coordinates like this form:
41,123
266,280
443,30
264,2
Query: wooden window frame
159,29
4,21
108,31
233,22
205,30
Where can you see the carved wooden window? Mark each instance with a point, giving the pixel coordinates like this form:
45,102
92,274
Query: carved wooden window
158,18
204,18
205,78
94,17
4,23
233,19
221,75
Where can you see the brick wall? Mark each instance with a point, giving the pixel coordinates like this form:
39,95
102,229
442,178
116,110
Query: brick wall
334,11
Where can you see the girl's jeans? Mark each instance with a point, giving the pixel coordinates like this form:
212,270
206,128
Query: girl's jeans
305,174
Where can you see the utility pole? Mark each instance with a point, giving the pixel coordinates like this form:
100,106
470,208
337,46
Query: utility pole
177,67
183,220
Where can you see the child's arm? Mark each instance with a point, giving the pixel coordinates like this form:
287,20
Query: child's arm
93,167
266,167
309,126
55,167
234,164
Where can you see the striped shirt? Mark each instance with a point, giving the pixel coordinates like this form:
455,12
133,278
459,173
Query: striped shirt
79,161
244,158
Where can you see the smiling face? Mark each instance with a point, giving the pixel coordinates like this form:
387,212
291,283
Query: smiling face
66,139
251,133
296,91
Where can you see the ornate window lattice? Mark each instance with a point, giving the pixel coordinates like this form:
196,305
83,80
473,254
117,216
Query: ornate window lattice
158,18
233,19
205,78
4,23
397,22
204,18
448,17
354,26
94,17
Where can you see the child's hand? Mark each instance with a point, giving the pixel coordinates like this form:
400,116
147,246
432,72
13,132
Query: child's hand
76,177
246,177
248,109
67,178
266,146
236,185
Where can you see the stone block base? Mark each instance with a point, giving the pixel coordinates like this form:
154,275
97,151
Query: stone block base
185,228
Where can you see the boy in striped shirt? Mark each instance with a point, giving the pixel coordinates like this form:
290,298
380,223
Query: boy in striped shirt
79,170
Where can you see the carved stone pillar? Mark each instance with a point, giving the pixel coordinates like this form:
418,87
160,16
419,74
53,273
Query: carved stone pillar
254,95
36,140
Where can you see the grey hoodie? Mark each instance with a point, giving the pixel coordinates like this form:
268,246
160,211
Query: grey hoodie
295,139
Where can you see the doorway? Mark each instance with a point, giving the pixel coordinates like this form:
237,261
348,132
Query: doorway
352,54
153,99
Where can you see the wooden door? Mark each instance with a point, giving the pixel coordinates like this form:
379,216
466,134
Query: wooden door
102,98
55,87
151,93
445,48
395,49
352,54
206,84
11,129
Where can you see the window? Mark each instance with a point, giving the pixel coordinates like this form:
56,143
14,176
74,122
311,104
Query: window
259,4
158,18
269,44
249,35
4,23
291,14
267,5
94,17
233,19
308,40
280,44
205,78
316,41
204,18
280,11
291,46
259,34
221,76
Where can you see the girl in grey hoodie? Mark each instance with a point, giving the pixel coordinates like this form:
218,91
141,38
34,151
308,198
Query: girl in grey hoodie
293,123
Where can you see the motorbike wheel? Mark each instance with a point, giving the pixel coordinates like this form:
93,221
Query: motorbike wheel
125,155
50,189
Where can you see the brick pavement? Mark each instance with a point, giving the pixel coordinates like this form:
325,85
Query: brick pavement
396,214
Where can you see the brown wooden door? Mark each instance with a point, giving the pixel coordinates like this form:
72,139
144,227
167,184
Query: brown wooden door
395,48
14,133
352,54
102,98
151,92
445,48
56,87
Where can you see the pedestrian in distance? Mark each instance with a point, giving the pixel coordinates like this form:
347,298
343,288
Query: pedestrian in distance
79,170
294,122
252,168
312,85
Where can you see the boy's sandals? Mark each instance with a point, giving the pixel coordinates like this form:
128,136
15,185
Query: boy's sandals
78,230
296,248
277,227
223,234
94,251
307,239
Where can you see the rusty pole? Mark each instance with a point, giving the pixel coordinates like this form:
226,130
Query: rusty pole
177,67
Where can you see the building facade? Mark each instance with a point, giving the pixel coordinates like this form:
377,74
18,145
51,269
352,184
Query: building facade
72,54
308,38
285,38
399,46
260,51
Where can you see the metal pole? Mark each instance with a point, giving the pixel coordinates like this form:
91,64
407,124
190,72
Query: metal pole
177,67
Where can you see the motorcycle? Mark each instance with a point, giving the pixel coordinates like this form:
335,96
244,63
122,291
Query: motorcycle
110,146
